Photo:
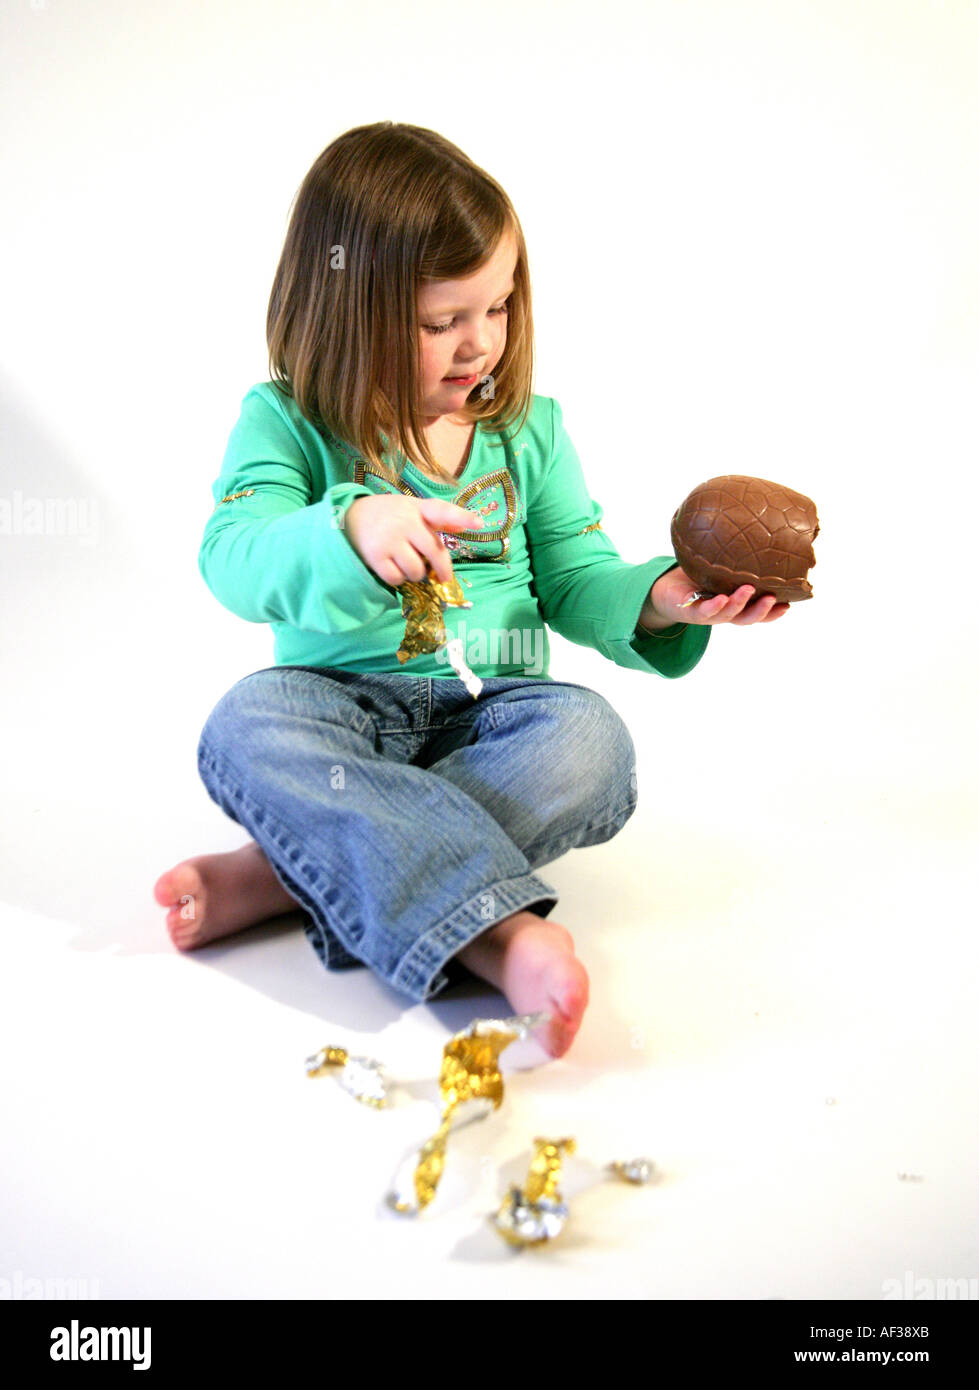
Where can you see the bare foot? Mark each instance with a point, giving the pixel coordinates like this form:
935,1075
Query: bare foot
532,961
214,895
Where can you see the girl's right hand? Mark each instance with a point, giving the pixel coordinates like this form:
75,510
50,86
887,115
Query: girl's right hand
395,535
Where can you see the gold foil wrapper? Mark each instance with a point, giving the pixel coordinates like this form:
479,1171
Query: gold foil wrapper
362,1077
422,605
542,1180
471,1087
537,1212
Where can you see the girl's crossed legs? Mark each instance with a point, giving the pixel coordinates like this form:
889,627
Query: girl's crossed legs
403,817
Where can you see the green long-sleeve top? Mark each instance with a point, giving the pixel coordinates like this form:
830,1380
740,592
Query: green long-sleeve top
275,550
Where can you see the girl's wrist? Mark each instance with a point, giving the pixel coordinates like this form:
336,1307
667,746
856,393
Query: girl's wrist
652,622
651,619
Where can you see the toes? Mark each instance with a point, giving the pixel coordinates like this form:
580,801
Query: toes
183,936
571,996
179,916
180,882
163,890
568,1002
560,1039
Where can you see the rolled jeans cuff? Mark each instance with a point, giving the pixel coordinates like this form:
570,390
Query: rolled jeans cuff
420,972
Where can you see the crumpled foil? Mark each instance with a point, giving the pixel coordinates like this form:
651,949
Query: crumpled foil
471,1087
362,1077
537,1212
422,605
634,1170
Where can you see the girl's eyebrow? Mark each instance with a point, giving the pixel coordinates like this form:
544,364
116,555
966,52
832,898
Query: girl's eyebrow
454,309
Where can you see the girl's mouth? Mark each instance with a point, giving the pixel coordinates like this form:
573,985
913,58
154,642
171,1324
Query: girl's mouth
462,380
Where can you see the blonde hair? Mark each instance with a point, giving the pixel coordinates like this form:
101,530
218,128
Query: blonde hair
402,205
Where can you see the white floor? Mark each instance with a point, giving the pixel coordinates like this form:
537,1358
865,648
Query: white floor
782,1017
781,942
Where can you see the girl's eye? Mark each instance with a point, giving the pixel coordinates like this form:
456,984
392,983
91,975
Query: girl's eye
444,327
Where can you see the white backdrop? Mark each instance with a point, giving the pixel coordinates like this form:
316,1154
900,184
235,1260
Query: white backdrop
771,210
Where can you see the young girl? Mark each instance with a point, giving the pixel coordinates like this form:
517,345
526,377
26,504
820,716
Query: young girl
400,435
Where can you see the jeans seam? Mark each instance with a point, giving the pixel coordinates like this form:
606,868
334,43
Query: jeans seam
424,729
360,721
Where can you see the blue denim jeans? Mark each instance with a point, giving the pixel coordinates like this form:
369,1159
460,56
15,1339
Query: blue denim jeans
404,816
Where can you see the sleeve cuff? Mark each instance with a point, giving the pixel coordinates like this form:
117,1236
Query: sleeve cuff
673,652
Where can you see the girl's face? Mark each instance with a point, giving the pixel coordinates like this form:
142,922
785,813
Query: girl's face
463,331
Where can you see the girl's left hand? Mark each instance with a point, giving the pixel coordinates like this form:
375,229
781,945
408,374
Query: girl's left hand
742,608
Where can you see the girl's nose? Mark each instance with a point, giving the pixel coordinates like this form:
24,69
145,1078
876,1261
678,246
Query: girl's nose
478,343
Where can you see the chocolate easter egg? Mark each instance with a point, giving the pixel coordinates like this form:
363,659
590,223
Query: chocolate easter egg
737,530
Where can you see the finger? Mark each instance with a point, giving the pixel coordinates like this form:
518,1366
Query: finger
723,607
430,544
738,601
779,611
390,572
708,609
757,611
447,516
410,562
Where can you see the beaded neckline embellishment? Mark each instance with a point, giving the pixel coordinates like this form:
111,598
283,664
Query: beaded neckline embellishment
494,495
489,495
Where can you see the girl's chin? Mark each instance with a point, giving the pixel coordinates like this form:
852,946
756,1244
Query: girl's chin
445,399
